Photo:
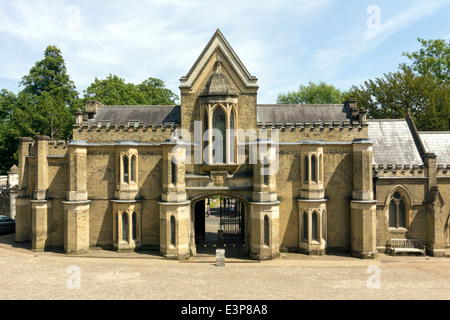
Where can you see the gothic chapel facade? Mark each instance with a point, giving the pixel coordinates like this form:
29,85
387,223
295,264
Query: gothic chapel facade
325,178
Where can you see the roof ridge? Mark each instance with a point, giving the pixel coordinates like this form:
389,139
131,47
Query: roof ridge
434,132
300,104
139,105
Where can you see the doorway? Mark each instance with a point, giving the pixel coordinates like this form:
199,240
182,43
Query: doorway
219,223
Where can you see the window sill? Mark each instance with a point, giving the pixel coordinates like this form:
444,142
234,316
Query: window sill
229,167
400,230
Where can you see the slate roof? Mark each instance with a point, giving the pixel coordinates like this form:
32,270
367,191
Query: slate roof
301,113
393,143
438,143
144,114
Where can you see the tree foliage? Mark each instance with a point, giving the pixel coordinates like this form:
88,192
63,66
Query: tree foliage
114,91
421,88
45,106
48,100
397,93
321,93
433,58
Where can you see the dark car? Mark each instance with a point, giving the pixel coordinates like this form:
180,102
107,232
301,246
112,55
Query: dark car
7,225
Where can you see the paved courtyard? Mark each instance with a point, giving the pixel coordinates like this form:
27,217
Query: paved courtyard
105,275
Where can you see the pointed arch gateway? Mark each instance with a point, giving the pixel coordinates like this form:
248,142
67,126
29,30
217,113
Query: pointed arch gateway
219,221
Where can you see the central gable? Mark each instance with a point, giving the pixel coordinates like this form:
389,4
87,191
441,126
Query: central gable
219,48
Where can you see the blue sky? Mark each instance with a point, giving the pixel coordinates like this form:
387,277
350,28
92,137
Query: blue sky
283,43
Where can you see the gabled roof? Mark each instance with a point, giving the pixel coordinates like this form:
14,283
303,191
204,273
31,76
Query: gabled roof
438,143
218,43
393,143
301,113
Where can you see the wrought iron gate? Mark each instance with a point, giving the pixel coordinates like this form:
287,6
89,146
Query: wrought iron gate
224,228
231,219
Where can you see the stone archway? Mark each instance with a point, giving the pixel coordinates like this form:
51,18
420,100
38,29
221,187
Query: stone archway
224,227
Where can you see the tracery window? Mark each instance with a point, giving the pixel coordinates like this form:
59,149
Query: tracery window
133,169
219,123
314,227
306,169
125,226
219,133
305,227
172,231
266,171
128,168
312,167
397,211
127,229
174,171
266,231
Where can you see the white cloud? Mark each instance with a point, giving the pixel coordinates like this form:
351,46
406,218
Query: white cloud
355,42
143,38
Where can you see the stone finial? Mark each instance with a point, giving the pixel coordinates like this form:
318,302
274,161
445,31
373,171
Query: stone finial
14,169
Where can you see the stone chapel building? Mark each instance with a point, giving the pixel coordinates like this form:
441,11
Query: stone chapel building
325,179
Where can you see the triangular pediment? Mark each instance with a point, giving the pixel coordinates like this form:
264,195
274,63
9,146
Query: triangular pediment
218,46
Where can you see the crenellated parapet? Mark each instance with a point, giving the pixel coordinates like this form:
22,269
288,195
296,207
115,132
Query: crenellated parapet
443,170
323,130
399,171
318,125
133,130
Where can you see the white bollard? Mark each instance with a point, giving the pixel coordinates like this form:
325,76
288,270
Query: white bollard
220,257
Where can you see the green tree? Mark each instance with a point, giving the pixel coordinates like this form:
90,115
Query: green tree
49,98
421,88
115,91
432,58
397,93
8,131
155,92
45,106
321,93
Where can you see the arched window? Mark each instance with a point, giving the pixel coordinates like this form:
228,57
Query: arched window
397,211
231,137
133,169
305,226
320,167
266,171
118,216
314,227
125,168
172,231
125,226
219,123
174,171
205,130
313,168
266,231
134,225
306,168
